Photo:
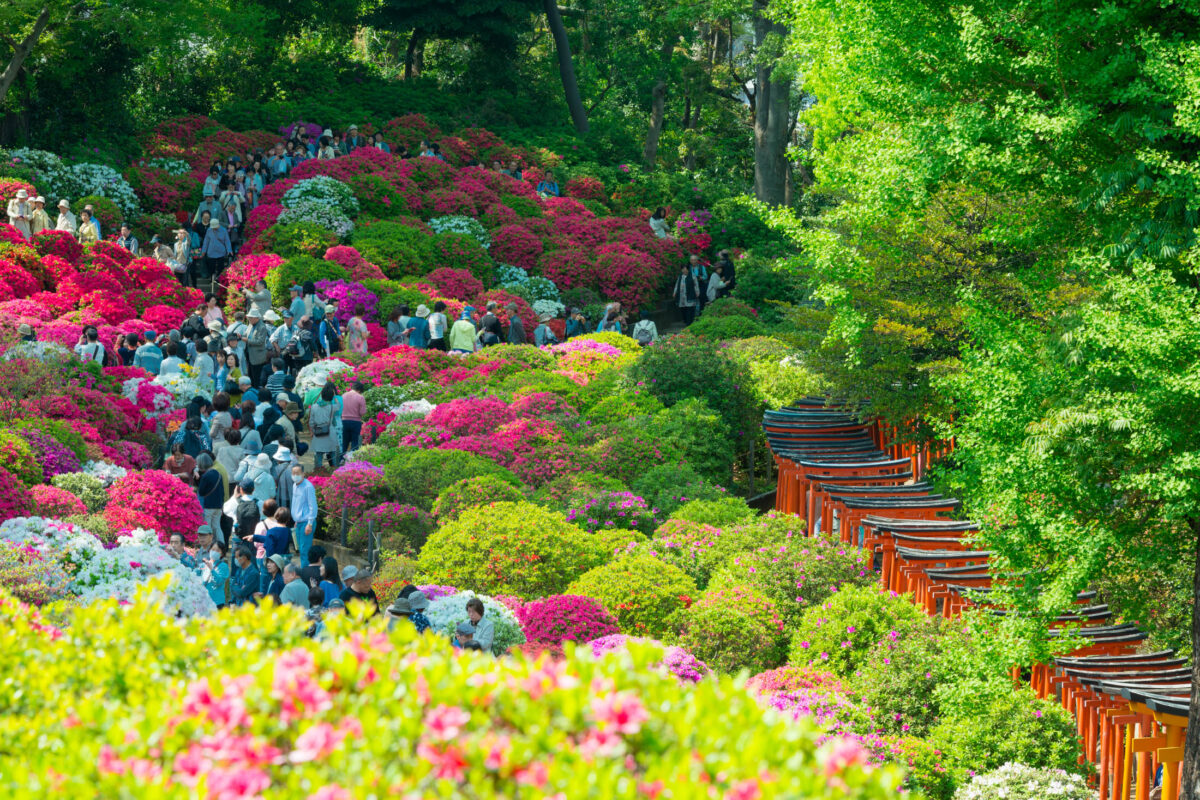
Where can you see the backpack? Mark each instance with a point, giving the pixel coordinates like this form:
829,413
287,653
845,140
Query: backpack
330,336
320,428
247,515
641,332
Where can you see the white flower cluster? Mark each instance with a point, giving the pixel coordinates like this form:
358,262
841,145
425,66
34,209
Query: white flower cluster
422,407
1020,782
100,573
106,472
40,161
318,213
543,308
445,613
57,180
508,275
47,352
175,166
460,224
539,288
317,374
322,190
183,388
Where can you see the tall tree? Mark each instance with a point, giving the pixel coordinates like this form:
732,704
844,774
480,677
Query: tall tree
772,103
566,68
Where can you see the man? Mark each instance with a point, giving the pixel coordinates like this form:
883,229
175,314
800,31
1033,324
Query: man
297,304
210,206
312,572
149,357
295,592
40,220
245,580
175,549
211,493
516,328
484,629
728,272
249,393
257,337
352,141
700,273
300,348
358,587
215,248
204,539
88,348
489,315
245,514
127,239
280,336
304,511
399,610
275,381
172,364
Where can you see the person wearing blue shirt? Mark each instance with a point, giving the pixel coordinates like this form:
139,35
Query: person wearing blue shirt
548,186
611,308
297,306
214,571
304,511
149,357
418,334
248,392
246,579
700,273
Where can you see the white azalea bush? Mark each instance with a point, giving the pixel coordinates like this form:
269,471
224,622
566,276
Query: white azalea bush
175,166
318,213
460,224
99,573
46,352
318,373
508,275
73,181
551,307
104,471
1020,782
322,191
446,612
183,387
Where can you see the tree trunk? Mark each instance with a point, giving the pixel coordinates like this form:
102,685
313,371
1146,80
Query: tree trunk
566,69
771,117
1189,775
21,51
658,108
414,56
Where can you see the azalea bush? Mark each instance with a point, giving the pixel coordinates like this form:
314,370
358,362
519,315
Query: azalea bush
154,500
676,661
562,618
613,510
733,629
469,493
401,529
89,489
640,590
1014,781
838,634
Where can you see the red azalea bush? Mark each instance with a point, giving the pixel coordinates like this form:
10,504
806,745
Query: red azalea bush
19,280
357,486
55,503
569,268
157,500
585,187
459,284
58,243
15,500
566,617
514,244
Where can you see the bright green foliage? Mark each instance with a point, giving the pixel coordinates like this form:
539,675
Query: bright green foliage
900,674
700,435
726,328
459,251
472,492
698,548
615,409
839,634
667,487
778,376
88,489
298,269
726,511
641,591
509,548
571,488
297,239
732,629
352,695
397,249
417,476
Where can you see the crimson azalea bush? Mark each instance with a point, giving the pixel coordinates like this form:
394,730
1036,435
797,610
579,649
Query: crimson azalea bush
640,590
565,618
355,487
509,548
402,529
154,500
50,501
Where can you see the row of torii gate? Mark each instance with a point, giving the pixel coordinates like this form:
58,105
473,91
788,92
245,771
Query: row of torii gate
849,478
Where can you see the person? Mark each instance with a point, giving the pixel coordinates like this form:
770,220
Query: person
274,382
172,364
576,324
645,332
257,468
276,533
308,293
88,348
210,206
39,221
310,574
66,220
331,579
273,580
397,326
214,572
212,312
193,438
354,408
358,587
127,239
210,490
25,331
289,412
356,331
181,465
87,231
328,335
180,258
516,328
325,149
20,214
246,582
437,327
700,273
418,332
242,508
464,634
299,349
295,592
259,298
543,336
716,283
321,424
95,221
728,272
659,224
257,337
462,333
304,510
352,141
548,187
204,365
686,294
485,629
175,549
229,373
127,348
215,249
418,601
514,170
398,611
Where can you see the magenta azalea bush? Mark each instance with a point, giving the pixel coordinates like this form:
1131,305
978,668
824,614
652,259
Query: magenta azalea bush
676,661
154,500
565,617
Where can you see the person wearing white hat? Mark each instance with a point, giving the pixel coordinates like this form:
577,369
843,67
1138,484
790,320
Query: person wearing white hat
39,220
19,213
66,220
352,140
326,150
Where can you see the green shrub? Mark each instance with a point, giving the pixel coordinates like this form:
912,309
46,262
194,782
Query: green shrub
625,453
418,476
669,486
641,591
838,634
460,251
769,287
726,328
88,489
395,248
62,433
926,768
700,434
794,571
95,524
298,269
699,549
376,196
482,490
540,380
719,513
740,222
1015,781
401,529
105,210
617,408
777,376
732,629
524,206
509,548
569,489
296,239
392,294
1016,727
900,674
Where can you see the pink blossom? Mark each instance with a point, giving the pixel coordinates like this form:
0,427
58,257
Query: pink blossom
445,723
841,753
317,742
331,792
536,775
622,711
448,763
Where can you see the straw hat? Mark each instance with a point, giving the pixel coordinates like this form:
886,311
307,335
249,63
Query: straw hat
24,329
422,311
214,224
64,204
215,326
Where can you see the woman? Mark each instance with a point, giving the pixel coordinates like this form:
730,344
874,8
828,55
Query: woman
214,572
658,223
87,231
438,325
418,335
397,327
326,150
127,348
212,311
181,256
20,212
462,334
542,335
273,579
686,294
331,579
309,295
230,371
251,447
221,423
66,220
356,331
611,323
322,423
181,465
271,430
716,283
490,333
229,452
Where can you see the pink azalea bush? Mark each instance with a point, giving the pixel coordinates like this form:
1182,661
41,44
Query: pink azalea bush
566,617
154,500
50,501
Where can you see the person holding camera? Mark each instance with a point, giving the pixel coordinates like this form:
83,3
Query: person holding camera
88,348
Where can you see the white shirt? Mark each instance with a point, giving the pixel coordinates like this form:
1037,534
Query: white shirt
170,365
90,351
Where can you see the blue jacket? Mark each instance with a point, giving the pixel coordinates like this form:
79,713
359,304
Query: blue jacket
216,582
274,541
244,584
420,335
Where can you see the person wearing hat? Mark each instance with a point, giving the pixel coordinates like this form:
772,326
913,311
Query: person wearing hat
281,335
352,141
358,587
149,357
259,298
258,337
127,239
543,336
418,334
272,577
25,331
398,611
516,328
462,333
258,469
66,220
418,601
20,214
209,204
296,305
39,221
464,634
215,249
